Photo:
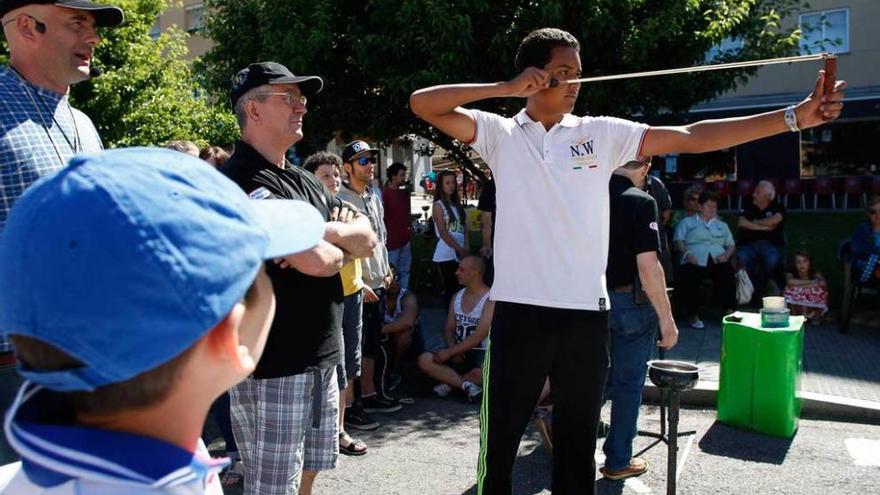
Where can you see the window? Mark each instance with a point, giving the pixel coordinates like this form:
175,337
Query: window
826,31
727,45
195,18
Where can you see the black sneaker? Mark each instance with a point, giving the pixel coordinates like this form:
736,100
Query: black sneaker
377,404
356,418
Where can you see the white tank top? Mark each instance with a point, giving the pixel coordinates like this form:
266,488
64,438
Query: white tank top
466,323
455,227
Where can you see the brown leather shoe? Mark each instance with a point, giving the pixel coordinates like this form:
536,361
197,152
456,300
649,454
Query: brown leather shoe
636,467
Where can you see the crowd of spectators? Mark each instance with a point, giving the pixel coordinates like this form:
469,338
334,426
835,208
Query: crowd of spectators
303,333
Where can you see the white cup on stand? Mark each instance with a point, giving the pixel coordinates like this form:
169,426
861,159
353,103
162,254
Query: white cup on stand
774,303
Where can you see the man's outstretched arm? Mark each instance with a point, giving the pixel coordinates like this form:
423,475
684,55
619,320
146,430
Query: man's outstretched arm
711,135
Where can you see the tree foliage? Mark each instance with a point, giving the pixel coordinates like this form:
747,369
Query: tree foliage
374,54
148,94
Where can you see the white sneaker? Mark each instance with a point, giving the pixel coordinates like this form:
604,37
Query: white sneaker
471,389
442,390
697,323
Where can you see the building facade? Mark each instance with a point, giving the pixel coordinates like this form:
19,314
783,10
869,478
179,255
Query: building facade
844,27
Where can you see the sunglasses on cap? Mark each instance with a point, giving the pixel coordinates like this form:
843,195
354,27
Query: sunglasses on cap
364,160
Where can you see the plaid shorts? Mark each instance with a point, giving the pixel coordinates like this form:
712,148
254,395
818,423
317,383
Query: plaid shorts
283,426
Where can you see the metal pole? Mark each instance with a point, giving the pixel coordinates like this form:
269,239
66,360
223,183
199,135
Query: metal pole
672,451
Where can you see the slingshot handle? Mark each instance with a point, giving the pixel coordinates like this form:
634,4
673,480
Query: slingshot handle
830,74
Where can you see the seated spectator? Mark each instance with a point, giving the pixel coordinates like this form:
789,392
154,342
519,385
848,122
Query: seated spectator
214,155
691,206
460,364
761,238
865,246
806,291
706,246
135,232
400,320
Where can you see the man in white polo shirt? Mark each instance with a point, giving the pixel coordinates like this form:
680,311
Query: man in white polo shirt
551,171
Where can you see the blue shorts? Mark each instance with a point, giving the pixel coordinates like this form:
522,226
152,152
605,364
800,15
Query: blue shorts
472,359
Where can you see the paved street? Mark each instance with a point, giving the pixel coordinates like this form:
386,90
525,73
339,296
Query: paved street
431,448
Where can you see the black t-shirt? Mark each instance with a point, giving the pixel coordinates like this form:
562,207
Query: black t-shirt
657,189
752,213
634,230
307,331
487,202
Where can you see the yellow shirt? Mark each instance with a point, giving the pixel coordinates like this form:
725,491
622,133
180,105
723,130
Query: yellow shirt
351,274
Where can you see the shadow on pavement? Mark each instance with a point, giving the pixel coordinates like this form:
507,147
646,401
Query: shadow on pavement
604,486
531,474
725,441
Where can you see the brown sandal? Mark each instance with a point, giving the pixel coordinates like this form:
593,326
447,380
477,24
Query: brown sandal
354,447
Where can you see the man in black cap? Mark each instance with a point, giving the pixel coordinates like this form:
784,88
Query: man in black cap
51,44
359,161
285,416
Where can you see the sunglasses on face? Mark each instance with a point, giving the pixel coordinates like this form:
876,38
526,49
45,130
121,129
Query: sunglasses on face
364,160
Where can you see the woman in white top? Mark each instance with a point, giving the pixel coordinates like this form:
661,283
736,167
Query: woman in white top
449,225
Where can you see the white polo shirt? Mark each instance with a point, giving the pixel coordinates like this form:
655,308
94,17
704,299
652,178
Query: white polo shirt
551,225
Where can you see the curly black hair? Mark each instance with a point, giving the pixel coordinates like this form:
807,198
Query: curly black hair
536,48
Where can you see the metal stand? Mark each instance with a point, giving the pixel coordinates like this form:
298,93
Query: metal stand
669,434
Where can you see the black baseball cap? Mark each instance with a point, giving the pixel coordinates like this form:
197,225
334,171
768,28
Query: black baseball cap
256,75
105,15
354,148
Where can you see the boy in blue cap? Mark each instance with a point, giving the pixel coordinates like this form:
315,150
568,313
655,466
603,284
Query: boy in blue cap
133,289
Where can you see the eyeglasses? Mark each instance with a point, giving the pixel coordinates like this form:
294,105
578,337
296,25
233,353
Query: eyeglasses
364,160
290,98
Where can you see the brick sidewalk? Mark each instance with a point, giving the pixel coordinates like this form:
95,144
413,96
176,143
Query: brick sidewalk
838,365
835,364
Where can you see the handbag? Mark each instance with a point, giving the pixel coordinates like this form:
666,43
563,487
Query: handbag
744,287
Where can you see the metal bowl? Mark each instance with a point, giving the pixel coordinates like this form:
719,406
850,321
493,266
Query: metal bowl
673,375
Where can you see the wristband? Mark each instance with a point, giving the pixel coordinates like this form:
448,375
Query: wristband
791,119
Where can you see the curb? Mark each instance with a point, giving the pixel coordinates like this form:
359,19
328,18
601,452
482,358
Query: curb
813,405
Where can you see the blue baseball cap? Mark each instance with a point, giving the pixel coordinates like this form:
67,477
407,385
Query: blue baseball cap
125,258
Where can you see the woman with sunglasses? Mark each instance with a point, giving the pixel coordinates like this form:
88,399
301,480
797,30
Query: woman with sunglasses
691,206
449,225
865,245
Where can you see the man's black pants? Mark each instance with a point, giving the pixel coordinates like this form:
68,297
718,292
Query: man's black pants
527,344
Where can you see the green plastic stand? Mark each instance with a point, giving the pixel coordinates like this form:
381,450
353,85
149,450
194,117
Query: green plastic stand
760,371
